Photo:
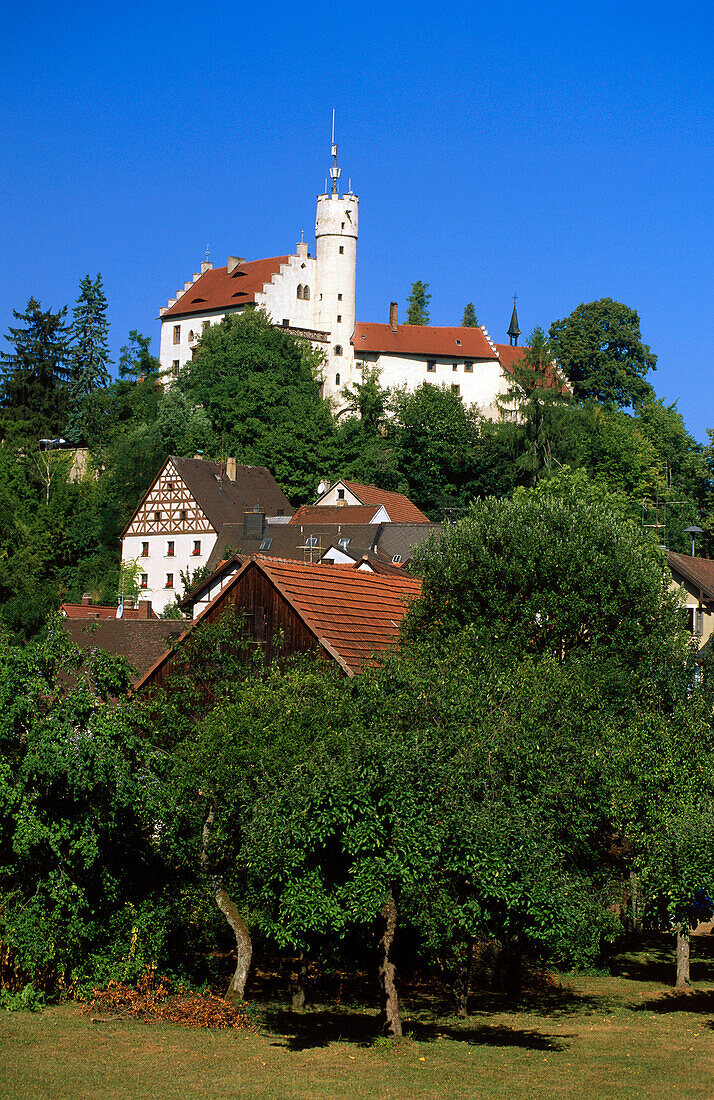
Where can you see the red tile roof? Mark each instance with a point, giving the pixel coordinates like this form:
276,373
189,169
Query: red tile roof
511,356
400,508
422,340
353,613
336,513
95,611
216,289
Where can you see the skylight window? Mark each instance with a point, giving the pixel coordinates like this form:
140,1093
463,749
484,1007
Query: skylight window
396,559
459,343
311,541
343,543
266,544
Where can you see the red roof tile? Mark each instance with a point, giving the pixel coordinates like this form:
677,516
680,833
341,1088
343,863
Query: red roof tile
511,356
698,571
422,340
95,611
216,289
400,508
336,513
355,614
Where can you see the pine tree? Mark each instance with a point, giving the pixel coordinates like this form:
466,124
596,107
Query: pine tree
469,319
418,304
34,376
90,354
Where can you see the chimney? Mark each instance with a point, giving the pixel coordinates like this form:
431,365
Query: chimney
393,313
143,609
86,600
234,262
253,524
231,469
128,605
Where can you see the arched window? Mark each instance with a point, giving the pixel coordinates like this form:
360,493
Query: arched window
190,336
338,349
306,293
299,290
337,379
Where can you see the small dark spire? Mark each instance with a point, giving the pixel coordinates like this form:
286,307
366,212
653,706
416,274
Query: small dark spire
513,330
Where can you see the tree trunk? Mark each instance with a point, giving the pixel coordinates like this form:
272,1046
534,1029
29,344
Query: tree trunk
244,946
682,958
390,1020
513,977
634,890
299,996
463,981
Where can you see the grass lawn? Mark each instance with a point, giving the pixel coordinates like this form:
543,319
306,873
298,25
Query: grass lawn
621,1035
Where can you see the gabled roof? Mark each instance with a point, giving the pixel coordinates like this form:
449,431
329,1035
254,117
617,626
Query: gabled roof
399,506
458,342
217,290
402,538
221,499
698,571
353,615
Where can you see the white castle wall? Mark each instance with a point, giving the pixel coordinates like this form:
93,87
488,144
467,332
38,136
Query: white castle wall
480,387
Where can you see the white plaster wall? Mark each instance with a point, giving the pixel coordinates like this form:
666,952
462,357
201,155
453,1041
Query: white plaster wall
481,387
279,296
183,351
158,563
331,496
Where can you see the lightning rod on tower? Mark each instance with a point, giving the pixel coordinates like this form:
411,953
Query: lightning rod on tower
335,172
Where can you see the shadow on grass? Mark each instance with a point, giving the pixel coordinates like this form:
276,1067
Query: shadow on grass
694,1000
651,959
556,1001
307,1030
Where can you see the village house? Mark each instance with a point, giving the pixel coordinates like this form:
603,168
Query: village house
175,526
694,577
342,613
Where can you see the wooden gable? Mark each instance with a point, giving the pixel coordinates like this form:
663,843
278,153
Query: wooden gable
169,508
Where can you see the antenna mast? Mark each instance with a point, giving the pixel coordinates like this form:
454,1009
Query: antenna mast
335,172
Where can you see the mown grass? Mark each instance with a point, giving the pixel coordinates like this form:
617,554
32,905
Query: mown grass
619,1035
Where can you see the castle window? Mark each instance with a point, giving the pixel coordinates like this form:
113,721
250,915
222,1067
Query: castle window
455,366
339,318
342,250
144,549
177,334
456,389
299,290
337,379
431,366
342,226
339,297
306,293
338,349
175,368
190,336
286,322
469,368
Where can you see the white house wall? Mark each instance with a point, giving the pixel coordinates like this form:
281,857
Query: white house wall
480,387
158,562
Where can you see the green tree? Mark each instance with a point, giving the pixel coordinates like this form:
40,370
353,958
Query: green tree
365,450
260,389
599,348
469,319
136,361
418,304
89,369
34,375
435,434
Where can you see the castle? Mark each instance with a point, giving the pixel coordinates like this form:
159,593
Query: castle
313,297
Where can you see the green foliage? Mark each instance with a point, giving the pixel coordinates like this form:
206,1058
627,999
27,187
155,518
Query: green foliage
33,376
260,389
26,999
418,304
89,369
469,319
599,348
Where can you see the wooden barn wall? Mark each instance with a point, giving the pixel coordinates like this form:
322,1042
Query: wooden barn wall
269,620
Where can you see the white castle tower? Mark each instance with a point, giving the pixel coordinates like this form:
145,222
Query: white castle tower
336,224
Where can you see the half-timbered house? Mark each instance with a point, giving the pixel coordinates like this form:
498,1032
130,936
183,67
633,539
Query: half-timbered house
175,526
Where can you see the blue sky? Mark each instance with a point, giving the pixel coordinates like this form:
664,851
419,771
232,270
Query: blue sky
559,150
